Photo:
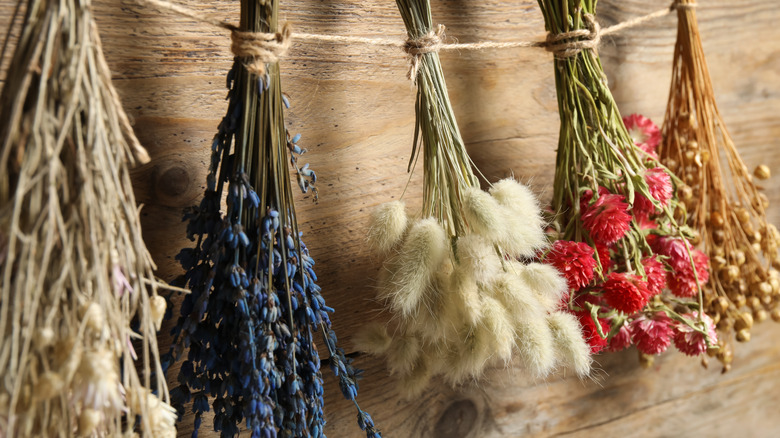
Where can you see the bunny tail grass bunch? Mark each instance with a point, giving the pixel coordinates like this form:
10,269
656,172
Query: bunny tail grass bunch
617,242
79,309
721,198
459,296
249,324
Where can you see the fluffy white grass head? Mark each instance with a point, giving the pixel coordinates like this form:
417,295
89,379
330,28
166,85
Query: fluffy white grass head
387,226
414,382
518,198
571,350
521,237
536,347
372,338
497,329
483,214
429,319
478,257
403,353
465,300
549,285
521,302
421,254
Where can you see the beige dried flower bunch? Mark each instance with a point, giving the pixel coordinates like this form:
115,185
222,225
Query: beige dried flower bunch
720,196
78,301
460,297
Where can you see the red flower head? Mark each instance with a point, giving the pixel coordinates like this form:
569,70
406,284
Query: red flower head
590,334
644,132
656,275
681,279
652,335
574,260
621,340
660,184
606,261
682,282
626,292
691,342
607,219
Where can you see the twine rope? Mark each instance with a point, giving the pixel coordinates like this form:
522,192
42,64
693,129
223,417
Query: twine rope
259,48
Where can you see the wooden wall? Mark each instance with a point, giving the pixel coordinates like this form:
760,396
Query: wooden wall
354,108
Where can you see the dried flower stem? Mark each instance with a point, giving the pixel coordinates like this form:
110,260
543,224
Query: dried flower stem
75,270
724,204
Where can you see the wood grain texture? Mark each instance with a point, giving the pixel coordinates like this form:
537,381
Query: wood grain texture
354,109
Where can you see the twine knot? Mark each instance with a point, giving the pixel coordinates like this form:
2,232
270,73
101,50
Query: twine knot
567,44
258,49
415,48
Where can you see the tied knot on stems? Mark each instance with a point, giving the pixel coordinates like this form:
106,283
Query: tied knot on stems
567,44
430,42
259,48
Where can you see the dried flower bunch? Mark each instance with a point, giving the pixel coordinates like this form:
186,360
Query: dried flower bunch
618,244
78,300
720,199
459,296
250,320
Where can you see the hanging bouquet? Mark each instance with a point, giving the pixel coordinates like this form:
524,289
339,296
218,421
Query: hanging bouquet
723,203
616,239
459,295
250,320
79,309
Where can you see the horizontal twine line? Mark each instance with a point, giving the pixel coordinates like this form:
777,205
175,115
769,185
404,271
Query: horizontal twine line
259,47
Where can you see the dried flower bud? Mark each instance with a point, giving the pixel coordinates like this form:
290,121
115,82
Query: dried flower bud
89,419
718,237
755,303
775,314
718,262
695,237
705,156
716,220
743,321
718,251
756,247
690,156
767,300
729,274
157,306
49,385
685,193
721,305
742,286
738,257
92,314
742,215
740,301
44,337
743,335
760,315
725,355
693,144
774,282
725,324
764,200
646,360
762,172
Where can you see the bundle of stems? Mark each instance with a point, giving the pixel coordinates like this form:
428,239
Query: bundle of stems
78,300
722,200
601,178
448,168
455,282
250,320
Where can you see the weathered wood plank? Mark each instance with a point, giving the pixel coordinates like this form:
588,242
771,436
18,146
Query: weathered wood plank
354,109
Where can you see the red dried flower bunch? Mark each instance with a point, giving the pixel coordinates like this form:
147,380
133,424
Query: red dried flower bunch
625,252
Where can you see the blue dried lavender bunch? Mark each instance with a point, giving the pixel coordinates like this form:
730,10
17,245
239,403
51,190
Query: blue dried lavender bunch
250,319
